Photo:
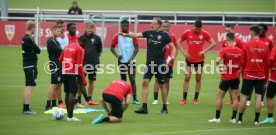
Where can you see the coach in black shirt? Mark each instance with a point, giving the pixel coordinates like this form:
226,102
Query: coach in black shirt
29,53
156,42
92,57
75,9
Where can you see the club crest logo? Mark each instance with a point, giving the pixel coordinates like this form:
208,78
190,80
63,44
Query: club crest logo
10,30
159,37
200,37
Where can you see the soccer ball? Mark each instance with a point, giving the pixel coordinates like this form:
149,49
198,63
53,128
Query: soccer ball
58,115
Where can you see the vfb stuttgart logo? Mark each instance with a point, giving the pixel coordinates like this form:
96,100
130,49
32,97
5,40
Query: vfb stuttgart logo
10,30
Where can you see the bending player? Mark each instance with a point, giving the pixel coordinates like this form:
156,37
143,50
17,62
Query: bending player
230,78
115,94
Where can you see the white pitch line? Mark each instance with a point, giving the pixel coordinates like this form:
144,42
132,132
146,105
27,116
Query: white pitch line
211,130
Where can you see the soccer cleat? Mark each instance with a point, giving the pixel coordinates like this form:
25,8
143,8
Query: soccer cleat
141,110
230,102
239,122
48,108
183,102
155,102
136,102
195,102
163,111
98,120
61,105
233,121
79,105
90,102
257,123
267,121
248,103
73,119
29,112
214,120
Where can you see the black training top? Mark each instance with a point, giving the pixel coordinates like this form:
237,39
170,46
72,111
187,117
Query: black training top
156,42
93,49
54,50
75,11
29,50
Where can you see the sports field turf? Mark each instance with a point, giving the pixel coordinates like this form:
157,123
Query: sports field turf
188,119
149,5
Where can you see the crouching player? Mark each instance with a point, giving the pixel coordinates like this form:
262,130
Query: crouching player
115,94
271,88
232,57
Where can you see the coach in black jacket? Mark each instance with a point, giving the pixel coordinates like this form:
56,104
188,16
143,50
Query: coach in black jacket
92,57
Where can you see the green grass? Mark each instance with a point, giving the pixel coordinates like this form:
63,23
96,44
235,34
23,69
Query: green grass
155,5
180,118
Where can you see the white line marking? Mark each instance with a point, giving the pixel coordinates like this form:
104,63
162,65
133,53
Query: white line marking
207,130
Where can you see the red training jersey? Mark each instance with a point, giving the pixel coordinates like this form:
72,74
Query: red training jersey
273,65
168,52
118,89
72,39
115,40
72,60
232,59
237,43
256,60
268,42
195,43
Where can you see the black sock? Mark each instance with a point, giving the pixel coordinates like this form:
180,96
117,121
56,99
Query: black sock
217,114
134,97
230,97
240,116
257,115
60,101
48,103
239,98
26,107
106,119
164,106
79,99
54,103
76,101
89,97
145,106
155,95
234,114
270,115
196,95
185,95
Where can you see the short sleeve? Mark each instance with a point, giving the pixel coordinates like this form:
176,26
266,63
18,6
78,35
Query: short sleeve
221,53
207,36
184,35
146,34
168,38
114,40
135,41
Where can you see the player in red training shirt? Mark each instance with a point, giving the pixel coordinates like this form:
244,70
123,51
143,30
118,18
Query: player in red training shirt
168,55
254,71
230,76
72,67
115,94
194,55
238,43
271,88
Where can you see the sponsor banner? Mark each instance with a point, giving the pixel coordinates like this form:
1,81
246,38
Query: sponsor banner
11,32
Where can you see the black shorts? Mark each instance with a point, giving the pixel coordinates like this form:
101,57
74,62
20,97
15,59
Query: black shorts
125,67
271,89
30,75
160,74
194,64
70,83
233,84
169,75
248,85
117,108
91,72
56,76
